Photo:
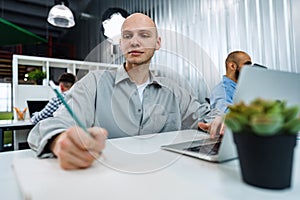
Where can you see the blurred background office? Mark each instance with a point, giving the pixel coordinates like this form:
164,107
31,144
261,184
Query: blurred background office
197,36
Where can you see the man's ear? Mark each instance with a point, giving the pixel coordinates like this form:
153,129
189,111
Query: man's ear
232,66
158,43
61,87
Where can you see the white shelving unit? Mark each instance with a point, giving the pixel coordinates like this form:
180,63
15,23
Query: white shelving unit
23,92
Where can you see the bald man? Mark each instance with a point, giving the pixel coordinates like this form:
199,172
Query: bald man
127,102
222,94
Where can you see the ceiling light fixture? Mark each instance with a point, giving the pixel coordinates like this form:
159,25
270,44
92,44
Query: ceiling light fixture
61,16
112,20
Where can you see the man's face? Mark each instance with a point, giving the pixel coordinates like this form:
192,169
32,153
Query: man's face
244,59
139,41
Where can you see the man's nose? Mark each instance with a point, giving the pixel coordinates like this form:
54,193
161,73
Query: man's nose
135,41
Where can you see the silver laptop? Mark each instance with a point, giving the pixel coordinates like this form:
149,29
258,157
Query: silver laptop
257,82
213,150
253,83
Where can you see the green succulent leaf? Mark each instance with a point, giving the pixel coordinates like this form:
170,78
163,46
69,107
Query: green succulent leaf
263,117
266,124
274,108
233,124
292,126
290,113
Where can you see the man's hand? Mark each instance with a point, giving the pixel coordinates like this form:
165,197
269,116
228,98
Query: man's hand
215,128
75,149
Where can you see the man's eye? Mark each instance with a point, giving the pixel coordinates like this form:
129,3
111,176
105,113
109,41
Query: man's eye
126,36
145,35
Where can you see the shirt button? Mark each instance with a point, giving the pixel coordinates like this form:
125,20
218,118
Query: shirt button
139,110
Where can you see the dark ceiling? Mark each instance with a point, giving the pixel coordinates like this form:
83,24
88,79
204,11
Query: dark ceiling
32,15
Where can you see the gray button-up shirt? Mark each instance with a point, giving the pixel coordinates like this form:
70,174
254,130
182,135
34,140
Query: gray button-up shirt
109,99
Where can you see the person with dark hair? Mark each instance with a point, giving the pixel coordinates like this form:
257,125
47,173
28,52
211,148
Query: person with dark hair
65,81
222,94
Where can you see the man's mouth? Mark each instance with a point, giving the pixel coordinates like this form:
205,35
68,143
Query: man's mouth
135,52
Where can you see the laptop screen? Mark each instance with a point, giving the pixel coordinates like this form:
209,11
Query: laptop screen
36,105
255,82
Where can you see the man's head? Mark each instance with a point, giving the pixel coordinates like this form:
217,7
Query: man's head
139,40
235,62
66,81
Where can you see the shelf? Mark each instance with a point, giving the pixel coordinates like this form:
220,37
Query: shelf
22,91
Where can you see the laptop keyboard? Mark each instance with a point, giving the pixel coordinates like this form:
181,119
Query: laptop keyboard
207,147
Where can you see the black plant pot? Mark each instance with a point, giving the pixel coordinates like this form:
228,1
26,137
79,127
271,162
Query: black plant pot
266,162
39,81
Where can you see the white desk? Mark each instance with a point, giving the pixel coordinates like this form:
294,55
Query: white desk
135,168
6,125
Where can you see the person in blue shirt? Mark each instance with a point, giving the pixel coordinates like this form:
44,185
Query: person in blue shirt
222,94
66,81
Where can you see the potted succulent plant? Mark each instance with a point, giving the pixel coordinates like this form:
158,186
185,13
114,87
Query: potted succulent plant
37,75
265,135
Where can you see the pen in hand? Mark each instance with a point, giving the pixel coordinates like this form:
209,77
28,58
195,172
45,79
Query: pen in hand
59,95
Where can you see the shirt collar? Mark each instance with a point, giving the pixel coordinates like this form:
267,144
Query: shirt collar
121,75
227,81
